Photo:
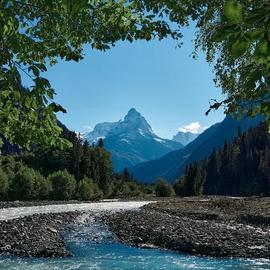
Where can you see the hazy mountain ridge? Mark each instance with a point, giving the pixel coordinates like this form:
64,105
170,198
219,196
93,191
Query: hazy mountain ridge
173,165
185,137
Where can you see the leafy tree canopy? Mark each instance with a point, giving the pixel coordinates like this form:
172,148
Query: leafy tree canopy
34,33
37,33
235,36
237,39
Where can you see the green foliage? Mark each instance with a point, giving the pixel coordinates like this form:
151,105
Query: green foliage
98,193
88,190
81,160
236,39
121,189
134,188
35,34
85,190
147,189
63,184
125,175
191,183
234,34
233,11
10,166
42,187
108,190
4,184
28,184
163,189
50,173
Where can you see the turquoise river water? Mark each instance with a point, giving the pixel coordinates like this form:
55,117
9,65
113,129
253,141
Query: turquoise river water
94,247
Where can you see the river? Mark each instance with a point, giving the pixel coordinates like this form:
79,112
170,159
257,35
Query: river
105,253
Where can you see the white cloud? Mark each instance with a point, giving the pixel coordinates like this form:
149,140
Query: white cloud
194,127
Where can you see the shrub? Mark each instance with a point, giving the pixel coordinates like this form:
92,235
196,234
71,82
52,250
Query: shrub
23,185
120,189
4,185
134,189
63,185
98,194
10,166
124,190
28,184
43,186
163,189
88,190
181,187
108,190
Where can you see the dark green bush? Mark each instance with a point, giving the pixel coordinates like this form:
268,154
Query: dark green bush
43,186
108,190
20,182
88,190
134,189
121,189
4,185
10,166
163,189
63,185
27,184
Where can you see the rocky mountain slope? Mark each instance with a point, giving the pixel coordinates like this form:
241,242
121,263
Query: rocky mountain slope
185,137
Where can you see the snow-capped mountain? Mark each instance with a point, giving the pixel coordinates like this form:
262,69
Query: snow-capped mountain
185,137
131,140
100,131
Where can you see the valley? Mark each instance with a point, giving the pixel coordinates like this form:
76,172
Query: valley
135,135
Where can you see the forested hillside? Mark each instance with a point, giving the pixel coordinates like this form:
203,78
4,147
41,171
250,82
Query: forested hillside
172,165
240,168
81,172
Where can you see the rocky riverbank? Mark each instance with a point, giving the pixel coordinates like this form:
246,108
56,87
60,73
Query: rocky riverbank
36,236
37,231
213,226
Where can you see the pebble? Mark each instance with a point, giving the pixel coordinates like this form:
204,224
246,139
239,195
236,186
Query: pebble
196,228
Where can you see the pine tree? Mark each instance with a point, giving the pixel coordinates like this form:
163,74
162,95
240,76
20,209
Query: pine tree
240,168
125,175
100,143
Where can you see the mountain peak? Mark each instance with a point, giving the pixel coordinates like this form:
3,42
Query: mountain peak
133,113
185,137
133,122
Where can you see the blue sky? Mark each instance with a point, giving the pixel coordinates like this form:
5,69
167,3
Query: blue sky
164,83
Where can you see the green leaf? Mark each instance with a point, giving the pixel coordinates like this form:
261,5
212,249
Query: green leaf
50,93
255,34
221,34
233,11
42,67
262,48
239,48
6,29
56,108
35,70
